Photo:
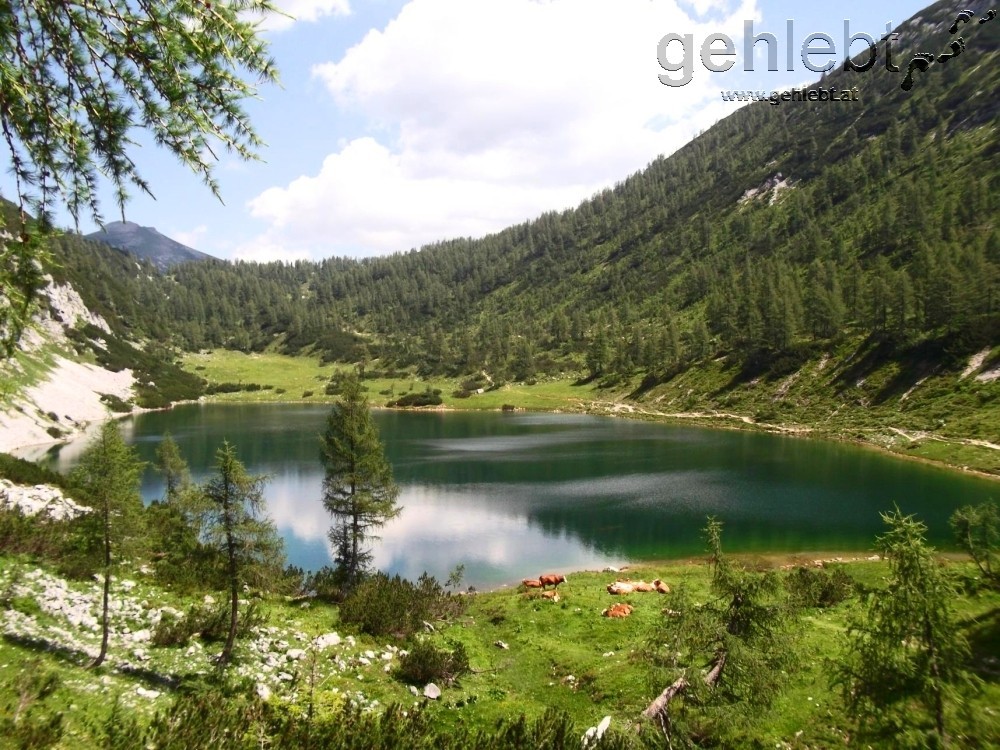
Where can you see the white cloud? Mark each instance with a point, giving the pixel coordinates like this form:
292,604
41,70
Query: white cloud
485,113
190,237
303,10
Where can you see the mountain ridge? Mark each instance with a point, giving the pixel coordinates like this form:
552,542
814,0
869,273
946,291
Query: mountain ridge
147,243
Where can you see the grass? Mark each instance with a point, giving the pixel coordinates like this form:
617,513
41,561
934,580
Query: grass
558,654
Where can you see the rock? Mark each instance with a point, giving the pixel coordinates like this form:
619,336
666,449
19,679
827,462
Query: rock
143,693
294,654
209,599
414,690
39,500
501,644
432,691
263,691
594,734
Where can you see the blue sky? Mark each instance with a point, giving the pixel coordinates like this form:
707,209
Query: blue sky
398,123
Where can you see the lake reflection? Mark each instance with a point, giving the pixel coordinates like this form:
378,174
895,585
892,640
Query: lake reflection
511,495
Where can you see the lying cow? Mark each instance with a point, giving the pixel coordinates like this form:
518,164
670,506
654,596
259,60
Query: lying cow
661,587
618,610
551,579
620,588
531,583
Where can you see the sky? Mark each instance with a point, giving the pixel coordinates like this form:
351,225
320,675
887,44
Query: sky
399,123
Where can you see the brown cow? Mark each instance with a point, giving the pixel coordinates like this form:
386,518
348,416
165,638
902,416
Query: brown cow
618,610
661,587
551,579
553,595
621,587
531,583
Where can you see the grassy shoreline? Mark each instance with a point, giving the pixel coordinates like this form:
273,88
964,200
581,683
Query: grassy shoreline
554,654
289,376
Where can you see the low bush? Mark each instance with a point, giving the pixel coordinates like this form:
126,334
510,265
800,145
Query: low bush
427,398
424,662
325,584
115,403
381,605
818,587
210,622
461,393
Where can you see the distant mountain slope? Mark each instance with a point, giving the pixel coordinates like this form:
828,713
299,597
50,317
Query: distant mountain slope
147,243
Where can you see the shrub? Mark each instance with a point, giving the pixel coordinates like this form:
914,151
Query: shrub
424,662
508,407
461,393
115,403
234,388
394,606
307,394
325,584
427,398
212,623
818,587
20,471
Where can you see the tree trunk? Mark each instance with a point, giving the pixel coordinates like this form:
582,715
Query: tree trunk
227,650
659,706
105,625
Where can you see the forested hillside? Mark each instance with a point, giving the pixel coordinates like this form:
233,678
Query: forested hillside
775,237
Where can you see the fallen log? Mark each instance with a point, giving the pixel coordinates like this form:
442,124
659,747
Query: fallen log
659,706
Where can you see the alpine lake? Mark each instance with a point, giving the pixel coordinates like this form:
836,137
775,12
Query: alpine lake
514,495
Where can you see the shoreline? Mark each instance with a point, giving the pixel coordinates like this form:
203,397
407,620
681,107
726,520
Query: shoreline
617,409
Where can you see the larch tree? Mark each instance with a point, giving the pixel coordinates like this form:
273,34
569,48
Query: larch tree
726,655
235,525
78,81
109,473
906,657
358,488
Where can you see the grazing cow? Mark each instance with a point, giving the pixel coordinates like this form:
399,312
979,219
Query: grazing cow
551,579
661,587
531,583
618,610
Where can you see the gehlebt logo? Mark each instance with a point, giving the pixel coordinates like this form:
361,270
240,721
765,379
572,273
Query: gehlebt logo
718,51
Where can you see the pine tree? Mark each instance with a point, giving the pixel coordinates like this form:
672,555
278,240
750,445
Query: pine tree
109,474
250,543
358,489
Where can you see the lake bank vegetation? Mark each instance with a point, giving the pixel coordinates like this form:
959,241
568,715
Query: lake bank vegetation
899,651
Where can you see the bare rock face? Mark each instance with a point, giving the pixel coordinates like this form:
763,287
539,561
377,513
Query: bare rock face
40,500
